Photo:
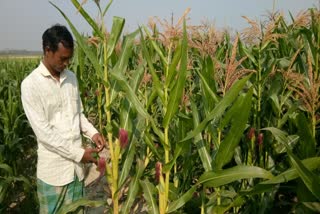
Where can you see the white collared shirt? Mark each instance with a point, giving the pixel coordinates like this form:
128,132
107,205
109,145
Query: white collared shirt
54,110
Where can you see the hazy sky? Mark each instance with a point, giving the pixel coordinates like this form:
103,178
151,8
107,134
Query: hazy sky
23,21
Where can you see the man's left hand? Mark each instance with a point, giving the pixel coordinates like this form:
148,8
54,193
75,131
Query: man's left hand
99,140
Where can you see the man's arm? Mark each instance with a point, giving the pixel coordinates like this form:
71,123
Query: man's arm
88,129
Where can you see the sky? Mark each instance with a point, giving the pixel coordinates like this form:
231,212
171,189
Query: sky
22,22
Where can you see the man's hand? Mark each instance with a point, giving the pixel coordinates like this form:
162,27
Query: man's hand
88,156
99,140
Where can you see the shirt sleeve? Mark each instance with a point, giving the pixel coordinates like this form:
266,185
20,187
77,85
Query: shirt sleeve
45,132
85,126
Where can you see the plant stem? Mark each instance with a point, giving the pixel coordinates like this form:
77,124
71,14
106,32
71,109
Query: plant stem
166,138
313,118
167,175
114,160
176,181
162,199
99,106
259,91
203,202
218,189
219,138
218,196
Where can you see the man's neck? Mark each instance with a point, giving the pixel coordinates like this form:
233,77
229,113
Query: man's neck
55,75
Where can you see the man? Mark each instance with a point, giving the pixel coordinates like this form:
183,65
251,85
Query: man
51,101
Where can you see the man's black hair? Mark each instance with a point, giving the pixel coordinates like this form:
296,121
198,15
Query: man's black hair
54,35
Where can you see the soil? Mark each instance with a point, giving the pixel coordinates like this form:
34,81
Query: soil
95,187
96,191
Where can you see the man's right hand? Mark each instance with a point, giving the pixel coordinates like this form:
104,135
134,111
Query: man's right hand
88,156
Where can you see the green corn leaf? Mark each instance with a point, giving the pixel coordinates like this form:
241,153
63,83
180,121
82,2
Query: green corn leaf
292,173
173,206
79,68
148,140
218,111
106,8
6,167
152,97
121,65
173,192
175,95
127,165
80,203
248,54
226,176
281,148
173,66
286,176
4,185
258,189
130,94
158,132
265,45
125,115
198,140
86,16
126,53
210,95
155,79
135,101
308,143
314,206
291,111
238,202
137,77
116,30
133,188
128,162
167,167
311,180
238,124
233,112
156,47
309,40
23,179
275,103
149,191
89,53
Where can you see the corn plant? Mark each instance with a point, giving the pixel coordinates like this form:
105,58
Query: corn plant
17,144
196,123
107,70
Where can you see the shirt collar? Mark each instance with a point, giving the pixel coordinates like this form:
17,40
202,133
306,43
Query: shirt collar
45,72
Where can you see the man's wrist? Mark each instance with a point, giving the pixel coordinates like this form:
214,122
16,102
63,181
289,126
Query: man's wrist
79,152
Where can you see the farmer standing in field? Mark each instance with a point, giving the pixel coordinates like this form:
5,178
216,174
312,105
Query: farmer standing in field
51,101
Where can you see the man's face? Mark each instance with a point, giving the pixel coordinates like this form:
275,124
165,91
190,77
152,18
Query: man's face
59,60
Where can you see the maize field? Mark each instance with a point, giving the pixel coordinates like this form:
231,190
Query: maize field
196,120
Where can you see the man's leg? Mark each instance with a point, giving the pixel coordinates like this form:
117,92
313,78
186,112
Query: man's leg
52,198
75,192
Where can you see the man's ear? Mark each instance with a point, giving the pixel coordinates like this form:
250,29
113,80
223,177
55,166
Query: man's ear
46,50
